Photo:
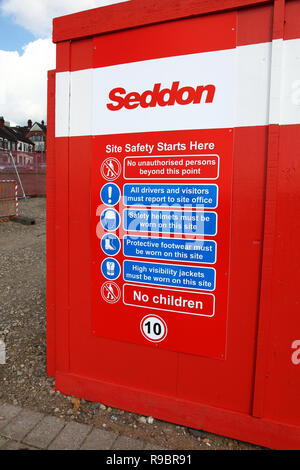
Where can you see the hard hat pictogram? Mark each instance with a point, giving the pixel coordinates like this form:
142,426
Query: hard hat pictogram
110,220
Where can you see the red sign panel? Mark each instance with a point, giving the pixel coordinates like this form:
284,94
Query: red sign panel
186,167
179,301
161,200
156,250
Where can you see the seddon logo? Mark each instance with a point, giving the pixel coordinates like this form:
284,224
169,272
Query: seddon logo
161,97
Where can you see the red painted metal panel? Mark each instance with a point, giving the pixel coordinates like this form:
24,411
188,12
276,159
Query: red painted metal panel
61,156
62,253
266,310
278,19
63,57
101,358
222,396
282,381
51,207
230,384
255,25
81,54
197,415
150,42
292,23
278,380
138,13
196,335
92,368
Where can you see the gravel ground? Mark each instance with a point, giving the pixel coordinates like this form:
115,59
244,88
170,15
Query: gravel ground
23,380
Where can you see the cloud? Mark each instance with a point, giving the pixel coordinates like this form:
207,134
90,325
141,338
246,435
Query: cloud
36,15
23,78
23,90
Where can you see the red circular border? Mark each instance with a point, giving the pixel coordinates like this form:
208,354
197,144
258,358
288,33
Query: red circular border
119,292
159,318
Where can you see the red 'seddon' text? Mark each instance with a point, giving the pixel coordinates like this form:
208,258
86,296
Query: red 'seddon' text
161,97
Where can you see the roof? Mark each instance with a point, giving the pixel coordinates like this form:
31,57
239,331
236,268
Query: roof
13,134
7,135
20,133
42,126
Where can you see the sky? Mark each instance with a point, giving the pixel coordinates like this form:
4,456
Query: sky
27,53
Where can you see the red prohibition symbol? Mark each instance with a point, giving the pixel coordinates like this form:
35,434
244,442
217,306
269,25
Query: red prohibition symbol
111,292
111,169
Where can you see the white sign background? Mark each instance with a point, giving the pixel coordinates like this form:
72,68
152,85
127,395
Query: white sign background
216,68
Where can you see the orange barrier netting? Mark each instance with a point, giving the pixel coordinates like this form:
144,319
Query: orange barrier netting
8,200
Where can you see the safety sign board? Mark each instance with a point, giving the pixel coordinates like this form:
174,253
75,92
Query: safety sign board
167,221
161,204
168,258
172,249
180,301
203,167
171,195
170,275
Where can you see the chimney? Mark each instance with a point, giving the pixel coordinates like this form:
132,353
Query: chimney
43,123
2,121
29,123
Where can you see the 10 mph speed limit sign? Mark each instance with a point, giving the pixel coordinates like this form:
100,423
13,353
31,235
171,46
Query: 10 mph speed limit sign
154,328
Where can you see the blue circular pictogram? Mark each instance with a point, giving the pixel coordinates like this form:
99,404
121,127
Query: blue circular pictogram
110,244
110,194
111,269
110,220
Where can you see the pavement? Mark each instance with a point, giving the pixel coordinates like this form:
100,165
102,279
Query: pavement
23,429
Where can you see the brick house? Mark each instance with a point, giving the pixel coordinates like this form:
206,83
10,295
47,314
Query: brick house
37,134
13,139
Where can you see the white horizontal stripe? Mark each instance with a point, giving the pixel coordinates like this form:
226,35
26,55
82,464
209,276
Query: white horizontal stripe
81,107
275,81
255,85
253,81
290,83
62,104
215,68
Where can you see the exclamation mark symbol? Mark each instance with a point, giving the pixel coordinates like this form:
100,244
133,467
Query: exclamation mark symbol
109,194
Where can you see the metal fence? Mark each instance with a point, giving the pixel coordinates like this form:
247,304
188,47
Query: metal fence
8,199
29,167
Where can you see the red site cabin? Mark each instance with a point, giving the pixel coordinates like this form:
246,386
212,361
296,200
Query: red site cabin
173,213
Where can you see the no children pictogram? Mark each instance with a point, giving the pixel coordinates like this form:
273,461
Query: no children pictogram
111,293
